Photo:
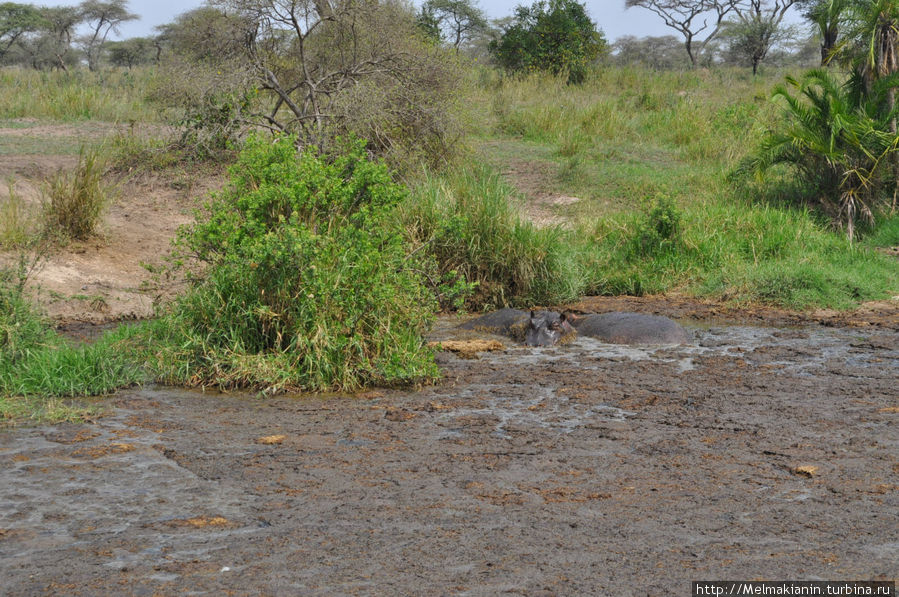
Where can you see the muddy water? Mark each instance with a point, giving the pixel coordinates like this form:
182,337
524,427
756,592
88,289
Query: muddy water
587,469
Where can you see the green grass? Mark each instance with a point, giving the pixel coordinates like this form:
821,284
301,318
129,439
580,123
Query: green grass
111,95
468,221
627,136
39,368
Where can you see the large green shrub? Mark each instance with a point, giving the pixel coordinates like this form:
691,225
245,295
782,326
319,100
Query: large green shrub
556,36
305,283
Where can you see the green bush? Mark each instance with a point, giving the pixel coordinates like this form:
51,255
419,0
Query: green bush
305,281
557,36
22,331
836,138
660,229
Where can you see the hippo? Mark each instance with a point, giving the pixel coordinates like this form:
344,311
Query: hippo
539,328
630,328
547,328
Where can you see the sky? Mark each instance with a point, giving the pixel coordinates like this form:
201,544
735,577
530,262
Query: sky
609,15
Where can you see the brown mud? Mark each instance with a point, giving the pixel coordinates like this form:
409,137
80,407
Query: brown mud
766,449
756,452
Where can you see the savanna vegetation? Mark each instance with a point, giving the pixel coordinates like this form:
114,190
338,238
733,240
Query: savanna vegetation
365,192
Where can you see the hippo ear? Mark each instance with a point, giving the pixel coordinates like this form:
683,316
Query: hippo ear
533,313
566,316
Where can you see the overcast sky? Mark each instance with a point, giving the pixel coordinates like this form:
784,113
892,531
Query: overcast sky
609,15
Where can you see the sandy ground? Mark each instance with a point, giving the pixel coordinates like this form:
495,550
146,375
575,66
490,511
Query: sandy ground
107,278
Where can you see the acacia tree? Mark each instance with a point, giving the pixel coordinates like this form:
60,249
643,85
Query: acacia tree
318,69
101,18
663,52
757,29
53,45
698,21
455,21
17,20
205,34
130,52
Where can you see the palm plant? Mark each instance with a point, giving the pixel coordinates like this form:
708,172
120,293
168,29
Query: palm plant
837,138
874,25
827,16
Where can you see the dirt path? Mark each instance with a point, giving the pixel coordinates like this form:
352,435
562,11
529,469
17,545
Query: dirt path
590,469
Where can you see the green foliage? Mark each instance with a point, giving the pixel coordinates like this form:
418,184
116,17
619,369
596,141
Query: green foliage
467,220
660,230
837,139
21,330
305,283
135,51
451,21
213,124
37,366
75,200
750,37
886,234
628,134
557,36
17,20
79,95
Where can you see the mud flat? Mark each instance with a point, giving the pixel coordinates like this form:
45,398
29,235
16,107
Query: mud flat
586,469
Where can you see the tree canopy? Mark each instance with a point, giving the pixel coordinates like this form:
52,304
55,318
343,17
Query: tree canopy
556,36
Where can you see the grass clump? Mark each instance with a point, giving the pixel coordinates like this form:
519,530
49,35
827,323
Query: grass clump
466,219
38,367
302,281
17,221
75,199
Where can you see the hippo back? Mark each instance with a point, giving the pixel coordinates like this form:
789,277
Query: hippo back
631,328
508,322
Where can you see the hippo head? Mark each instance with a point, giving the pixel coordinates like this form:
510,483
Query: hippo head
547,328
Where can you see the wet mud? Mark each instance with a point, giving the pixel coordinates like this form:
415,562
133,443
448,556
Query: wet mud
584,469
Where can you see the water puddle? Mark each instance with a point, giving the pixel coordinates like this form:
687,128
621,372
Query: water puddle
808,351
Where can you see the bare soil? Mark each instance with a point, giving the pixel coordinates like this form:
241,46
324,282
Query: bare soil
110,277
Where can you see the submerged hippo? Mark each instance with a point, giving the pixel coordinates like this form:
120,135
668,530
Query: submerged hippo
539,328
547,328
631,328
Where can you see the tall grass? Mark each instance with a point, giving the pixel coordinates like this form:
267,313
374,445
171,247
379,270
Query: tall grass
38,367
75,199
762,253
468,220
627,136
111,95
17,219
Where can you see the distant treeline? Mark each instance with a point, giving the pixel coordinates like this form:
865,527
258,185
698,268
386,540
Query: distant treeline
63,37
